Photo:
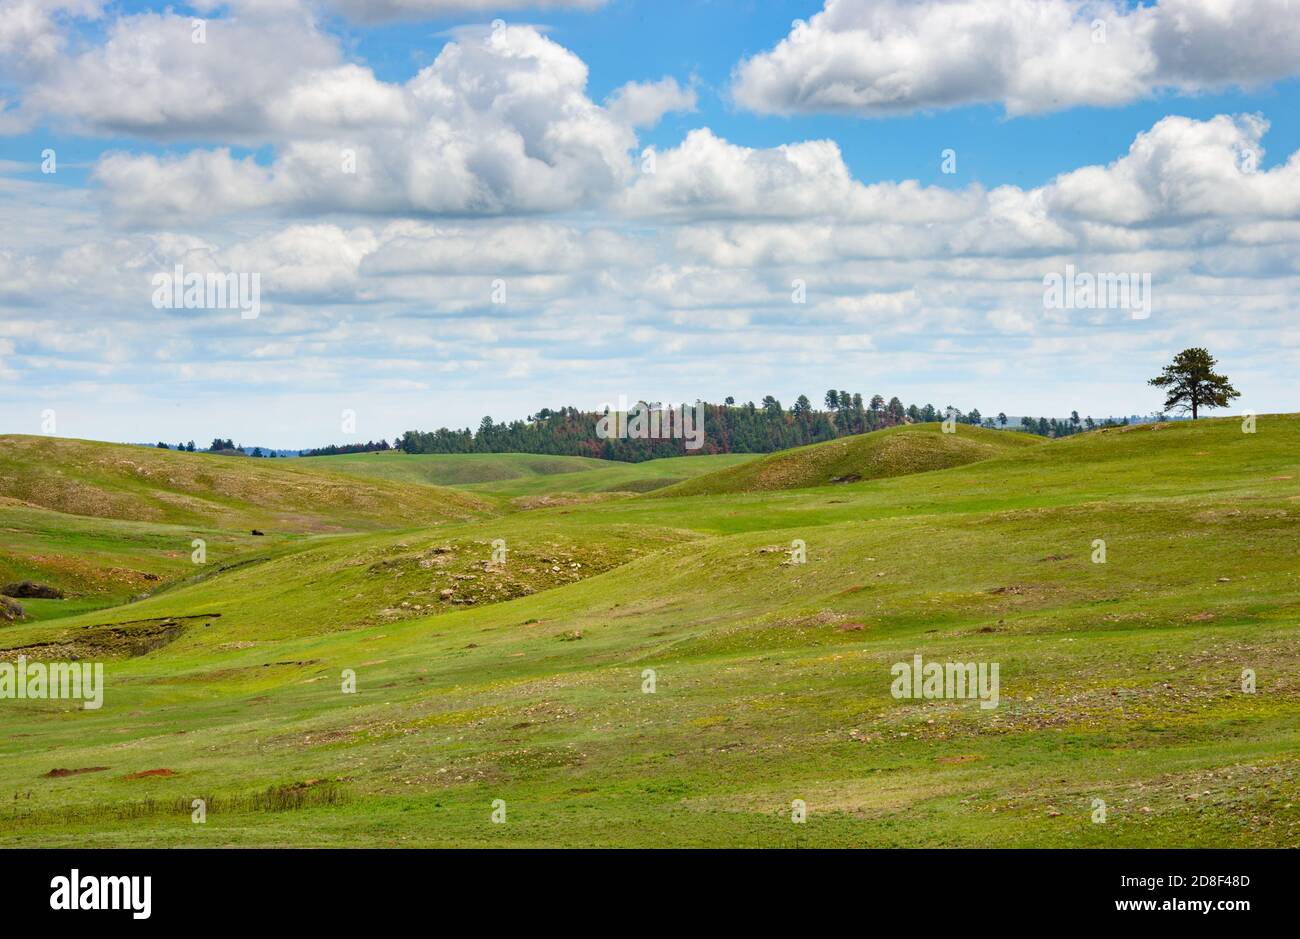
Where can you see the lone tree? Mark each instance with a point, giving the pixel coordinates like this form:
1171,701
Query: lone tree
1191,383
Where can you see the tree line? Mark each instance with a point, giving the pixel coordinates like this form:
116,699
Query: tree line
1190,382
729,427
335,449
218,445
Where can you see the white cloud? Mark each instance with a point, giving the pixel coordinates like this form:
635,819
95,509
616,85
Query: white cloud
875,57
643,104
32,34
499,123
493,162
708,177
1183,169
255,77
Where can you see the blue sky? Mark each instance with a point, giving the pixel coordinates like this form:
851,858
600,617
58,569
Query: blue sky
783,154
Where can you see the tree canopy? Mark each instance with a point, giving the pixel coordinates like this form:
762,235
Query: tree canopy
1191,384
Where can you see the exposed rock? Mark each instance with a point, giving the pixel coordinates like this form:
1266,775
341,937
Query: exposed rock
10,610
27,590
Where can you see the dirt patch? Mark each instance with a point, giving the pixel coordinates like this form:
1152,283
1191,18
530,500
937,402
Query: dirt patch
149,773
60,773
451,575
109,641
28,590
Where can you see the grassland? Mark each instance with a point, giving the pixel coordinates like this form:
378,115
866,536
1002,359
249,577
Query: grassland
1120,680
80,477
898,451
528,475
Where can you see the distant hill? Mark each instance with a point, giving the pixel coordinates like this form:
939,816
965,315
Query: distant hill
127,482
898,451
525,474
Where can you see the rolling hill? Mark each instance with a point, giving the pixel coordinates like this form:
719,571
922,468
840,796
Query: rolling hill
897,451
514,475
691,678
117,481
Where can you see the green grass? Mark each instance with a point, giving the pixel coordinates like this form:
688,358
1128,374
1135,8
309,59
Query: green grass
102,480
527,475
438,469
1119,681
899,451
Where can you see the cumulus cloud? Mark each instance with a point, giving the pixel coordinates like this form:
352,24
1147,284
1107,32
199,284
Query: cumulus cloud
379,214
643,104
1183,169
874,57
708,177
32,31
499,123
498,249
244,82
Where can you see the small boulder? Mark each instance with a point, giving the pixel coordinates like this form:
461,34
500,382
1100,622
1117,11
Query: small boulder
28,590
10,610
259,533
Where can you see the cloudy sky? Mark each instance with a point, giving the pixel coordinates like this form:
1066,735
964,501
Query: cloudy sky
457,208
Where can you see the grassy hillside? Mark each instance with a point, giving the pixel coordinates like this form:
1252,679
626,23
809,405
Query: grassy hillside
105,480
1119,680
515,475
105,562
898,451
459,469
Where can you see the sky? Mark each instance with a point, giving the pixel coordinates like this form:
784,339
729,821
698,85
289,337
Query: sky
451,209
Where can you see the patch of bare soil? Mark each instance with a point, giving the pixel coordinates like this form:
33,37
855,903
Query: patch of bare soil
148,773
60,773
113,640
451,575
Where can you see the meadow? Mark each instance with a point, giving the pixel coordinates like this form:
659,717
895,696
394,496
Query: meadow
667,653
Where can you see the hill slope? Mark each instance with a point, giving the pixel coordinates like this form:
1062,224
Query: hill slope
898,451
1119,681
133,483
449,469
526,474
